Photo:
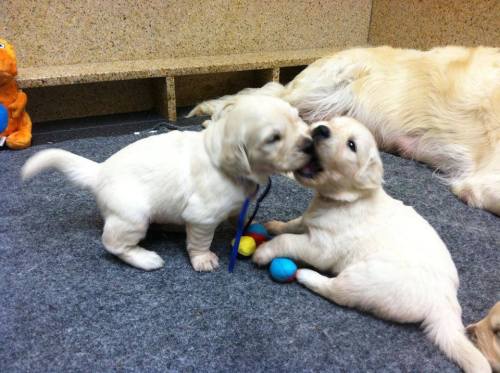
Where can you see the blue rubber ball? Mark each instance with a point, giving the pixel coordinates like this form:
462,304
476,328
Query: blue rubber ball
4,117
282,269
257,228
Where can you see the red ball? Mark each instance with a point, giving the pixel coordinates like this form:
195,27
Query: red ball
258,238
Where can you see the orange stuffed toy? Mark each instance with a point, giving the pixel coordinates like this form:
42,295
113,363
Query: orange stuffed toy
18,131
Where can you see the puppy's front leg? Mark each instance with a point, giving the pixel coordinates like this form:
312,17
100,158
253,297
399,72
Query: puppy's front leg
276,227
199,238
295,246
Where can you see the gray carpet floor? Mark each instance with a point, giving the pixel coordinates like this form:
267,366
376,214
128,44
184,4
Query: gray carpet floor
67,305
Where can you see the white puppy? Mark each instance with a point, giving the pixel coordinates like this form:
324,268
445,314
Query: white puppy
192,178
388,259
441,107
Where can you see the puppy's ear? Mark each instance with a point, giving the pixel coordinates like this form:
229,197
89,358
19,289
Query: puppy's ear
223,109
371,173
471,332
225,144
234,159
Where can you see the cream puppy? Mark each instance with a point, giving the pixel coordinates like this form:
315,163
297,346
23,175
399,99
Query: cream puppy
192,178
441,107
388,260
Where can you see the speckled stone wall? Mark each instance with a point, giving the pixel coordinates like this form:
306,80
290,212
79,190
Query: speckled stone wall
425,24
70,32
82,100
48,33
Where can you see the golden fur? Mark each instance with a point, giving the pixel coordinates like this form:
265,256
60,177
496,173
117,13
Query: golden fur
486,335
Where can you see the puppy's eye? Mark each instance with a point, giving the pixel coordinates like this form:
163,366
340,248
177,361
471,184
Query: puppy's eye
274,138
352,145
2,46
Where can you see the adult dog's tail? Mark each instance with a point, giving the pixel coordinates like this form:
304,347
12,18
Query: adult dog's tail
81,171
446,330
214,107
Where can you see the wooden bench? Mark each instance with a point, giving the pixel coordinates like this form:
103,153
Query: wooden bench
166,70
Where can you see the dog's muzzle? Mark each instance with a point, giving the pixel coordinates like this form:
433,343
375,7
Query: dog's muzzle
313,167
320,133
308,146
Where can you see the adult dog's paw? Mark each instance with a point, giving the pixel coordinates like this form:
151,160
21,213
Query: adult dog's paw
275,227
205,262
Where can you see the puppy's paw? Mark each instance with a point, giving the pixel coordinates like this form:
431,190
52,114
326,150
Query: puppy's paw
143,259
305,276
275,227
263,255
205,262
312,280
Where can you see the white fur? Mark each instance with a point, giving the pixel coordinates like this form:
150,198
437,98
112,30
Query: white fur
388,260
192,178
440,106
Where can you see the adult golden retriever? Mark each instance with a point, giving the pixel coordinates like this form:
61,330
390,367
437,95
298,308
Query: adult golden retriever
441,107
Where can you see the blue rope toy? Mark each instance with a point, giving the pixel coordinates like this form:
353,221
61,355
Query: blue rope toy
242,227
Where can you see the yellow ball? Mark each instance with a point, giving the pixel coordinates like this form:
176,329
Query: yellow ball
247,246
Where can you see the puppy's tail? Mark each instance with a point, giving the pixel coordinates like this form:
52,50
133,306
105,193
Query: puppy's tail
444,327
81,171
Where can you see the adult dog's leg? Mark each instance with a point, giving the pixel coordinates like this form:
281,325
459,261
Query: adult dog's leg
482,189
199,239
121,236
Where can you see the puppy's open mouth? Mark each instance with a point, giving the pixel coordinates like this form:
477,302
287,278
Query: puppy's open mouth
311,168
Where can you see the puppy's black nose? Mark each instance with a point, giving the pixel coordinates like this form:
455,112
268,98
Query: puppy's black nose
307,146
321,132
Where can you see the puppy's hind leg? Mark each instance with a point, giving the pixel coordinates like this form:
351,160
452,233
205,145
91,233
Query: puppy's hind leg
329,288
120,237
199,238
369,287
